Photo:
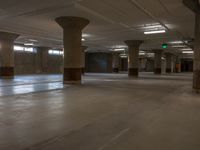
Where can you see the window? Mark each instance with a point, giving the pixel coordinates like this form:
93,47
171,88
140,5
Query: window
25,49
18,48
56,52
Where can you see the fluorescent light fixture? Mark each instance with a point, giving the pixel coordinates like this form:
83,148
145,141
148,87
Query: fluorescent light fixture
141,53
153,26
186,49
85,35
119,49
162,58
28,44
32,40
123,56
119,46
176,42
155,32
187,52
178,46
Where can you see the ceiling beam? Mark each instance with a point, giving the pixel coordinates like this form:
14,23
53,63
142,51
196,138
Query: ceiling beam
193,5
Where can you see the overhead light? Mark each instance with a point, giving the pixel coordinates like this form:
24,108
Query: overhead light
187,52
123,55
28,44
141,53
186,49
178,46
176,42
153,26
32,40
119,46
86,35
119,49
155,32
82,39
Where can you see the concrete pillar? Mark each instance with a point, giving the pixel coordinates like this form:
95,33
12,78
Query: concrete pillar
72,27
169,63
174,64
115,62
133,62
196,76
178,65
158,62
7,54
194,5
83,58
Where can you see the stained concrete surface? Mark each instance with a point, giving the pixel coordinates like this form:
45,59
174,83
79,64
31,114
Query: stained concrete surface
107,112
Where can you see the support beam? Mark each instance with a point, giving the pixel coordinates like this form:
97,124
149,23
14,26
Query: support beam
196,78
115,62
83,58
169,63
7,54
158,62
133,51
72,27
178,64
195,7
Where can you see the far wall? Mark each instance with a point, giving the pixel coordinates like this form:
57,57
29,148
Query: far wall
30,63
34,63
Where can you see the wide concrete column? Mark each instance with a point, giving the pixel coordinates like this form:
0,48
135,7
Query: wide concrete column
194,5
158,62
115,62
72,27
83,58
133,62
7,54
169,62
196,76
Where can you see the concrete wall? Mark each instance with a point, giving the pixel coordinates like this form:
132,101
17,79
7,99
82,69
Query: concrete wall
99,62
55,64
30,63
150,65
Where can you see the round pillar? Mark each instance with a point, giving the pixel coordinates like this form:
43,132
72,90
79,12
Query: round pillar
196,76
133,61
115,62
83,58
7,54
168,63
158,62
72,32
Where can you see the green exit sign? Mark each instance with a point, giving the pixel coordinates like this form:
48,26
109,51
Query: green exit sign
164,46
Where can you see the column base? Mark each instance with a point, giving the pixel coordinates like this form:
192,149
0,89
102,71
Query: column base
133,72
83,70
168,70
72,75
196,81
7,72
116,70
157,71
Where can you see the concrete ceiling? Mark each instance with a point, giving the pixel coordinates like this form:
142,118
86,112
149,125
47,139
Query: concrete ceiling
112,21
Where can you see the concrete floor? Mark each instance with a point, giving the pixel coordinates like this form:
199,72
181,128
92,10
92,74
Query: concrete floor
107,112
